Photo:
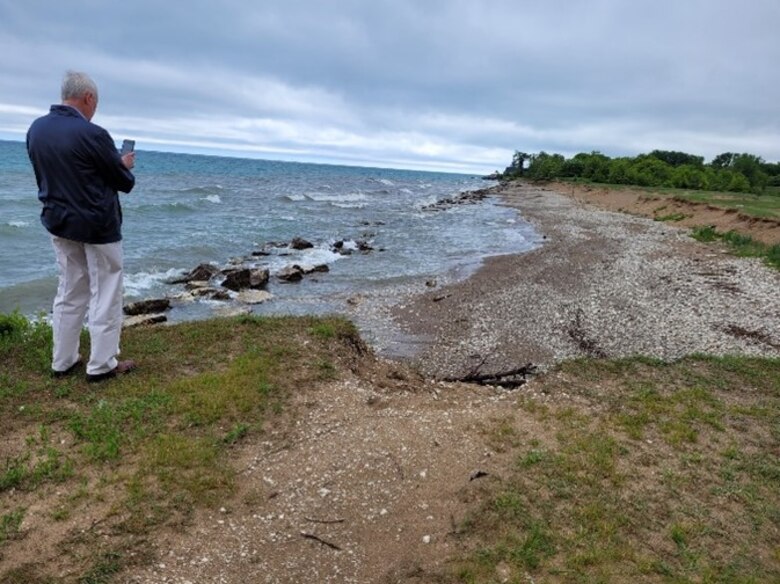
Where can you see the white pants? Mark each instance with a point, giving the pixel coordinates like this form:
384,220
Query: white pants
90,279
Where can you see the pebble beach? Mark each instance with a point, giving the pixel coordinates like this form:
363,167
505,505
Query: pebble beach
601,284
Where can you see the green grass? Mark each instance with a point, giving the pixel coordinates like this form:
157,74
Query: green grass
9,524
671,217
741,245
668,472
148,448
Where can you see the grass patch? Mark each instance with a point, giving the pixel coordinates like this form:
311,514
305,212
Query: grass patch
741,245
671,473
671,217
146,449
9,525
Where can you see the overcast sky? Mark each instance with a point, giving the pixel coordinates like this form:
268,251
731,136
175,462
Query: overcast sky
434,84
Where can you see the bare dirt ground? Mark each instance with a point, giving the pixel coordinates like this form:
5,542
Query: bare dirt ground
368,486
694,214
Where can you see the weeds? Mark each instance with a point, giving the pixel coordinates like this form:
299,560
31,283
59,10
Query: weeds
9,525
671,217
670,474
742,245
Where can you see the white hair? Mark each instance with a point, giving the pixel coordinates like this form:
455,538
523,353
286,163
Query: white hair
75,84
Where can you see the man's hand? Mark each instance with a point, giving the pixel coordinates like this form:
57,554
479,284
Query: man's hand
129,160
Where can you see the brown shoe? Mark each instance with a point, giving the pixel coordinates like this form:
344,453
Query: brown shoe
121,368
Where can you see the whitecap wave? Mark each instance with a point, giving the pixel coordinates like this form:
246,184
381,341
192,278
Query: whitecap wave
295,198
138,283
349,205
176,207
214,199
340,198
19,224
313,256
386,182
320,255
202,190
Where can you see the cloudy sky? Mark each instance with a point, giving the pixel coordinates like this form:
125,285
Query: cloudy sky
433,84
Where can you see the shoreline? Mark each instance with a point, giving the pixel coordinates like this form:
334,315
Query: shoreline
603,284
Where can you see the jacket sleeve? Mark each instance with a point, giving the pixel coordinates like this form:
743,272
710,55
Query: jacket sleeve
109,163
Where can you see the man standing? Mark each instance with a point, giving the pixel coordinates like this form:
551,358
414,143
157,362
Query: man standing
79,171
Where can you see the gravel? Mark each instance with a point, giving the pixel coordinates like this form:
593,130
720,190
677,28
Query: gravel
601,284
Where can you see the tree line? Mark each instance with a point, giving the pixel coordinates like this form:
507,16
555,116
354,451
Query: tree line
745,173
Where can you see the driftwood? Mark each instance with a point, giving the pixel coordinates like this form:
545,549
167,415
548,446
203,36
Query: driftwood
511,379
317,538
326,521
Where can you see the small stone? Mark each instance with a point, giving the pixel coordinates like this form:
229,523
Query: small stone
426,539
143,319
254,296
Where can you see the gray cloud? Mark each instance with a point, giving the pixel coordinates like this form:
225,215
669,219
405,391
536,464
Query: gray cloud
437,84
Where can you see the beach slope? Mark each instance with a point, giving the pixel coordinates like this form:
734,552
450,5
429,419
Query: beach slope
602,284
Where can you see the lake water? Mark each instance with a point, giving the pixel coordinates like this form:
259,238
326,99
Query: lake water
190,209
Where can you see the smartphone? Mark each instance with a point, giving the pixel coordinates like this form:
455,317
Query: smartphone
127,146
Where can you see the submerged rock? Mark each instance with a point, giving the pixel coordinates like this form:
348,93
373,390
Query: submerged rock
254,296
204,272
309,269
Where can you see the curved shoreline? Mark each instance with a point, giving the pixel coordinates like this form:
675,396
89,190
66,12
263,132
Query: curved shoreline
604,284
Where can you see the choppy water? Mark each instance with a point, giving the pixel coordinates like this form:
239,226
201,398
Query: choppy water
188,209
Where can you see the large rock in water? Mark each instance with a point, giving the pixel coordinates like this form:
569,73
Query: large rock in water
292,273
154,305
246,278
300,243
204,272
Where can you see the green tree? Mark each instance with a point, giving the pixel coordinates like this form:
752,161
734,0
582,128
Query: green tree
595,166
545,166
649,171
674,158
619,169
738,183
723,160
688,176
749,166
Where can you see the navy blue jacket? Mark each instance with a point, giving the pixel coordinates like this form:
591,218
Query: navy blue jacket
79,172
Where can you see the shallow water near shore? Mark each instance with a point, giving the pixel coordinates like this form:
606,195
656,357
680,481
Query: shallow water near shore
190,209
